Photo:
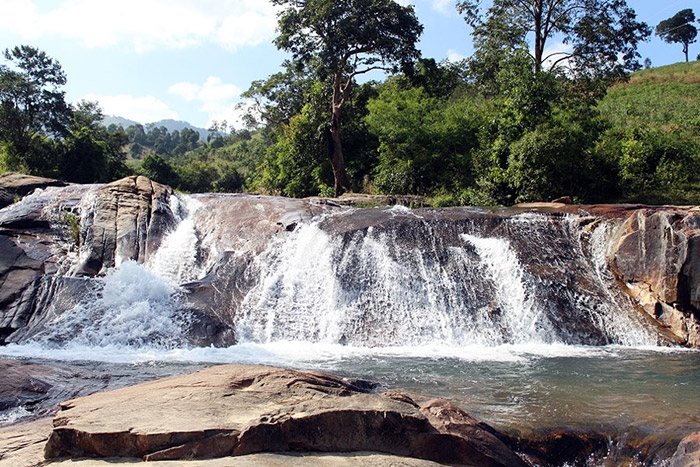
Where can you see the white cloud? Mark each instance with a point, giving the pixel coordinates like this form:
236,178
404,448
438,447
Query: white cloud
556,52
145,24
144,109
216,98
443,6
454,56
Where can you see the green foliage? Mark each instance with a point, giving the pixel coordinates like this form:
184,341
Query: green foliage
342,39
157,168
72,221
603,34
40,134
295,165
424,143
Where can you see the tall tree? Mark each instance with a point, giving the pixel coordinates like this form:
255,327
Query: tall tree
31,100
344,39
679,29
602,34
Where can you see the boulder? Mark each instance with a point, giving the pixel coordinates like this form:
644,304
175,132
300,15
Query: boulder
688,452
128,221
238,410
15,185
658,260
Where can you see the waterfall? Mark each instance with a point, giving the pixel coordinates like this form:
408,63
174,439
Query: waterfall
420,283
381,277
178,257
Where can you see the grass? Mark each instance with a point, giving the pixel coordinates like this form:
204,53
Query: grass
666,97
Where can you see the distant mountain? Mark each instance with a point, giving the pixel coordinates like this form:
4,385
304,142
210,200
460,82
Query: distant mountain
119,121
171,125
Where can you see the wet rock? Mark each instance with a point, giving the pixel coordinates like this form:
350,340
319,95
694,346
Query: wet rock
15,185
238,410
23,383
562,447
688,452
129,219
19,275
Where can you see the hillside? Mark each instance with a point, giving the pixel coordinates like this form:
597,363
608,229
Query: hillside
667,98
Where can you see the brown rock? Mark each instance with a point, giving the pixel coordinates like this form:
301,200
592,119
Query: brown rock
23,445
688,452
239,410
336,459
128,222
653,252
659,258
564,200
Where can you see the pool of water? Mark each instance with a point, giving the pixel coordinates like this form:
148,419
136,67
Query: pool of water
652,390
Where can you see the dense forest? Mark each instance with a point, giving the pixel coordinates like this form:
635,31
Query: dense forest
507,125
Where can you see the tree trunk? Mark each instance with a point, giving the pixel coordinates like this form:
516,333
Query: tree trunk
539,39
335,148
685,51
337,160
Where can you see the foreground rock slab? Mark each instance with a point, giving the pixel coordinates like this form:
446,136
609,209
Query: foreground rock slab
362,459
23,445
688,452
236,410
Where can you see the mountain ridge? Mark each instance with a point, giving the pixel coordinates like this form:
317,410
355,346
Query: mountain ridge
170,124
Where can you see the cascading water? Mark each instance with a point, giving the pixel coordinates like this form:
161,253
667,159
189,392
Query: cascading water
399,278
425,282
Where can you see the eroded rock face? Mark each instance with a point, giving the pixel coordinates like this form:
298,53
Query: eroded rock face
236,410
23,383
658,257
19,276
128,221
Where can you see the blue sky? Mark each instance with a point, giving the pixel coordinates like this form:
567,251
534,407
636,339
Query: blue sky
190,59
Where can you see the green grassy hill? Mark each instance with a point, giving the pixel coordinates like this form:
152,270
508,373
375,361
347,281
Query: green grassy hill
667,98
654,134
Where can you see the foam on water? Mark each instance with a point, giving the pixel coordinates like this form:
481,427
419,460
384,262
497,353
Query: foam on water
305,354
130,306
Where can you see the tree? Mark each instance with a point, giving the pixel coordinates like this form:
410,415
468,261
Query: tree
32,105
344,39
679,29
90,152
602,34
277,99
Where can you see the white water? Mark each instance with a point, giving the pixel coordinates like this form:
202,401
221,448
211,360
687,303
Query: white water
521,315
130,306
177,258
